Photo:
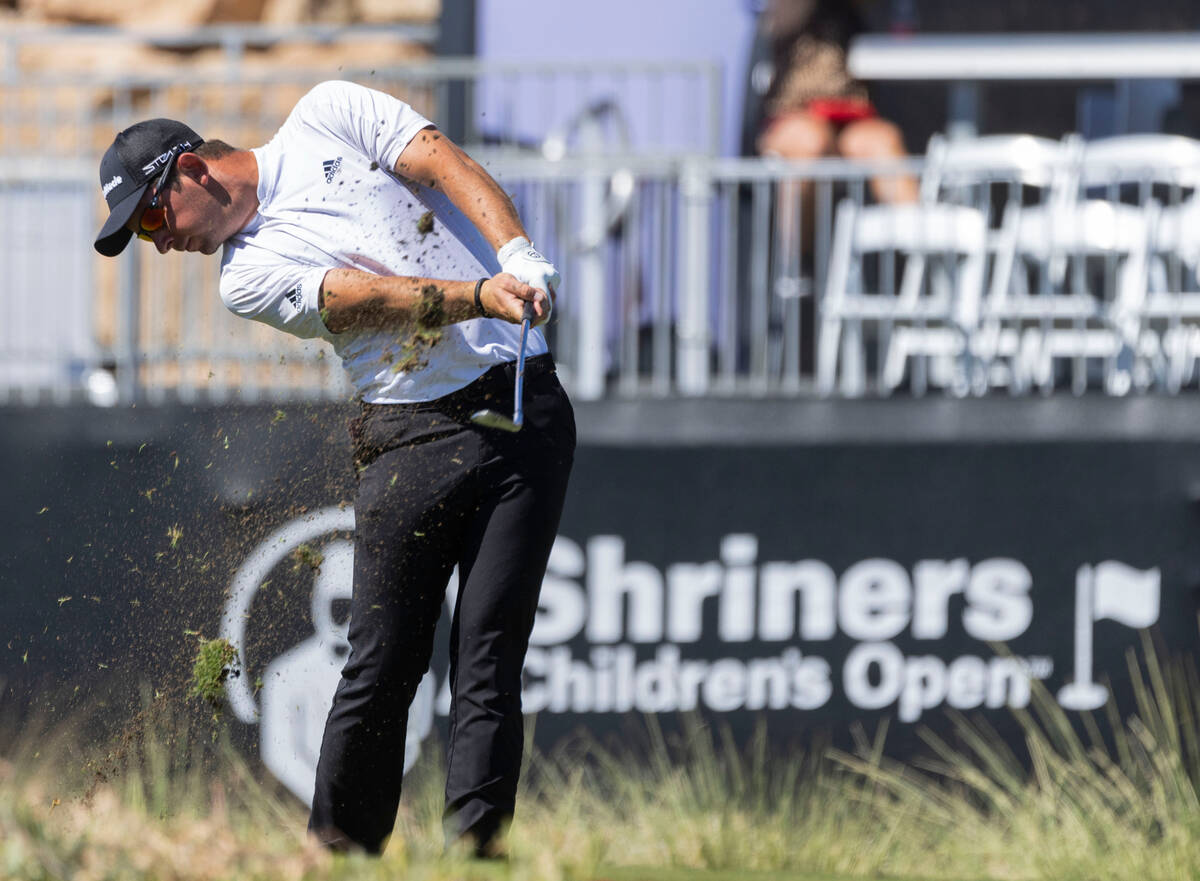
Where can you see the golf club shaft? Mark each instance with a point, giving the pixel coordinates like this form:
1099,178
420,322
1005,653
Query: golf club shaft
518,396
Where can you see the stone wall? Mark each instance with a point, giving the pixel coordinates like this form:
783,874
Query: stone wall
190,13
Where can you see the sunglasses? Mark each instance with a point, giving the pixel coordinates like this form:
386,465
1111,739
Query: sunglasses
155,214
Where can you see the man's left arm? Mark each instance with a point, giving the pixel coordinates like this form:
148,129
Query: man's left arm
434,160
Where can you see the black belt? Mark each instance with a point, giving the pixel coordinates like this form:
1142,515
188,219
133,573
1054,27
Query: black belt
538,365
496,383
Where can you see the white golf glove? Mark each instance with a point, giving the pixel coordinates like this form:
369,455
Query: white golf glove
520,259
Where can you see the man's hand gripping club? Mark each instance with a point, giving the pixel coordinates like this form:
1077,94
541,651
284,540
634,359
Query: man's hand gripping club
503,296
527,284
525,263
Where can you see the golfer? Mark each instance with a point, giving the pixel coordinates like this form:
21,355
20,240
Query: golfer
361,224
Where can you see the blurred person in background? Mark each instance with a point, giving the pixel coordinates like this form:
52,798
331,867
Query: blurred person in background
360,224
802,103
811,106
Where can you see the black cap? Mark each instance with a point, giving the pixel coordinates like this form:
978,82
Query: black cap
133,162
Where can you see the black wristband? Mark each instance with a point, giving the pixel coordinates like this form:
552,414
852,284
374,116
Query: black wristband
479,302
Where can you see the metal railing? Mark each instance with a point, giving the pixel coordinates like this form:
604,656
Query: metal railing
685,274
680,279
702,282
155,329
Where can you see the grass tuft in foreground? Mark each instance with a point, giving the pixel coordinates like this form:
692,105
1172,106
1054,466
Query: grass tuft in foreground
1115,799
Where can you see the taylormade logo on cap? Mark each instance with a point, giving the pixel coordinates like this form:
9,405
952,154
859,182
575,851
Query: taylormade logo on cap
108,187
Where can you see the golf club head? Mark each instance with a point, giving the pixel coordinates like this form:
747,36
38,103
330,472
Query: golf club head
492,419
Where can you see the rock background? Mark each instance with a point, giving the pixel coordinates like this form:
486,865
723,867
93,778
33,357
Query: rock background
145,41
73,72
190,13
73,87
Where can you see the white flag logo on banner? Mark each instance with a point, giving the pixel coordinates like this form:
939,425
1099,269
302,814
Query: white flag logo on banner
1112,590
1125,594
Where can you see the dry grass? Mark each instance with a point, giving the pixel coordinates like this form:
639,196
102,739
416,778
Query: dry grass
1077,809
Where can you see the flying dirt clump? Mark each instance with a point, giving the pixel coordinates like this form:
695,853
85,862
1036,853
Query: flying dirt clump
427,332
431,308
216,661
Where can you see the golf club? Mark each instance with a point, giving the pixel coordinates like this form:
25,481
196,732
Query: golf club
492,419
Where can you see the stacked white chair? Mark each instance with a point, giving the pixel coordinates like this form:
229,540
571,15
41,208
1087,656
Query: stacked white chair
1063,314
1033,175
1161,318
937,332
1065,275
955,168
1170,314
928,317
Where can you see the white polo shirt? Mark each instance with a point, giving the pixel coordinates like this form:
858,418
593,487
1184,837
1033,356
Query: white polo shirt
327,199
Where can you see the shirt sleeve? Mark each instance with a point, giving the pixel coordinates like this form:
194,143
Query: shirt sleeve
376,124
285,297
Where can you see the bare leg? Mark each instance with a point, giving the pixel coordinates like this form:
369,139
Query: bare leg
879,139
796,135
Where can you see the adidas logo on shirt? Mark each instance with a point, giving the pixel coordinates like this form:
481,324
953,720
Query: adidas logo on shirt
331,167
296,297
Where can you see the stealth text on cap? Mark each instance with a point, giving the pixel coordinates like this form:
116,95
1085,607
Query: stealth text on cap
161,159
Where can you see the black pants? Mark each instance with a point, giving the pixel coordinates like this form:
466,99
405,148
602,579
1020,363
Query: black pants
436,490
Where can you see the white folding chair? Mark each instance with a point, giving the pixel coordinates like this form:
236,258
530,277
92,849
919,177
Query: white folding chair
957,169
1165,171
1170,312
1065,315
1146,160
1018,168
928,317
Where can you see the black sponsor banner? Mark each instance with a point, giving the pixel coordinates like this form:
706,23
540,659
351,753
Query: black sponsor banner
812,585
825,584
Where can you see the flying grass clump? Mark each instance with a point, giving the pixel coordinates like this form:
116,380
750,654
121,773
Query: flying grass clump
215,662
306,556
425,223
